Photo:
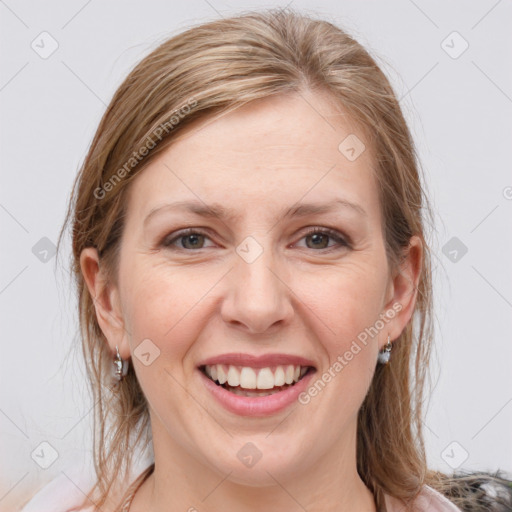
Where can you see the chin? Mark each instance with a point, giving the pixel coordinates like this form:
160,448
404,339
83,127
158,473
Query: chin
255,467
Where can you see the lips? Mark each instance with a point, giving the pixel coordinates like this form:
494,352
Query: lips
261,361
255,385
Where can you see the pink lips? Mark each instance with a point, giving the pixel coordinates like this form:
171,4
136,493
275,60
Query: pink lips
259,405
238,359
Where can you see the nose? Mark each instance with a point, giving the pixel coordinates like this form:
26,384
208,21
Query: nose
258,298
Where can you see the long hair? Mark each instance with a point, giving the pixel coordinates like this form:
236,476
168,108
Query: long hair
210,70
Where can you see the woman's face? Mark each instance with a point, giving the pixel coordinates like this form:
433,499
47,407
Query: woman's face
249,281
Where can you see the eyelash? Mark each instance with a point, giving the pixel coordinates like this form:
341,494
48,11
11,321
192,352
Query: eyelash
342,242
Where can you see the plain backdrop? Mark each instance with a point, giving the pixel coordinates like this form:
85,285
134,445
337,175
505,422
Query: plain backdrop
449,63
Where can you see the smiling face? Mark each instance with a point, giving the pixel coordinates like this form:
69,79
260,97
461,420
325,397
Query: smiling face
252,279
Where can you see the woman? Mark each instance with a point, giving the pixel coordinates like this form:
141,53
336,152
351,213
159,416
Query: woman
251,261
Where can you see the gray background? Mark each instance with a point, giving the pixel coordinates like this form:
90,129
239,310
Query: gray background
459,107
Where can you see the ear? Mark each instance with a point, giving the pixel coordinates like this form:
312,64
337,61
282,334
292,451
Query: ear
106,302
403,288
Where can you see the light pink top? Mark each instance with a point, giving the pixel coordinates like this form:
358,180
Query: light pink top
429,500
63,495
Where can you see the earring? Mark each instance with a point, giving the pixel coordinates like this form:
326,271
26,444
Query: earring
385,353
121,366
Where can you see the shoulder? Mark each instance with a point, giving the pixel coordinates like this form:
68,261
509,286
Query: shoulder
67,491
61,494
472,492
433,500
429,500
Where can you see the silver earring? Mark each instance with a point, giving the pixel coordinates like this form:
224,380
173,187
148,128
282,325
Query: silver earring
385,353
121,366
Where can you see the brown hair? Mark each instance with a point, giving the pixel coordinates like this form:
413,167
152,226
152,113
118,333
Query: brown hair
215,68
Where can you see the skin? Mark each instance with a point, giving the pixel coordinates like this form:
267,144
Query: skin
301,296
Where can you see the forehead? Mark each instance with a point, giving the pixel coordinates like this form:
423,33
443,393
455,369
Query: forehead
275,151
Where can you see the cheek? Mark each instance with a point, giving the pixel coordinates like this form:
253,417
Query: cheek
350,298
163,304
165,308
350,304
169,306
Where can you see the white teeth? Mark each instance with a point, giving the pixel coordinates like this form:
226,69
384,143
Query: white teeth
254,378
266,379
221,374
288,376
233,376
248,378
279,376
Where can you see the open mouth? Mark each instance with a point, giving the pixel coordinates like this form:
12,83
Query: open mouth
255,382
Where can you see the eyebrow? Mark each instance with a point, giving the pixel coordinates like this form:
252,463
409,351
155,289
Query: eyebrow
222,212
